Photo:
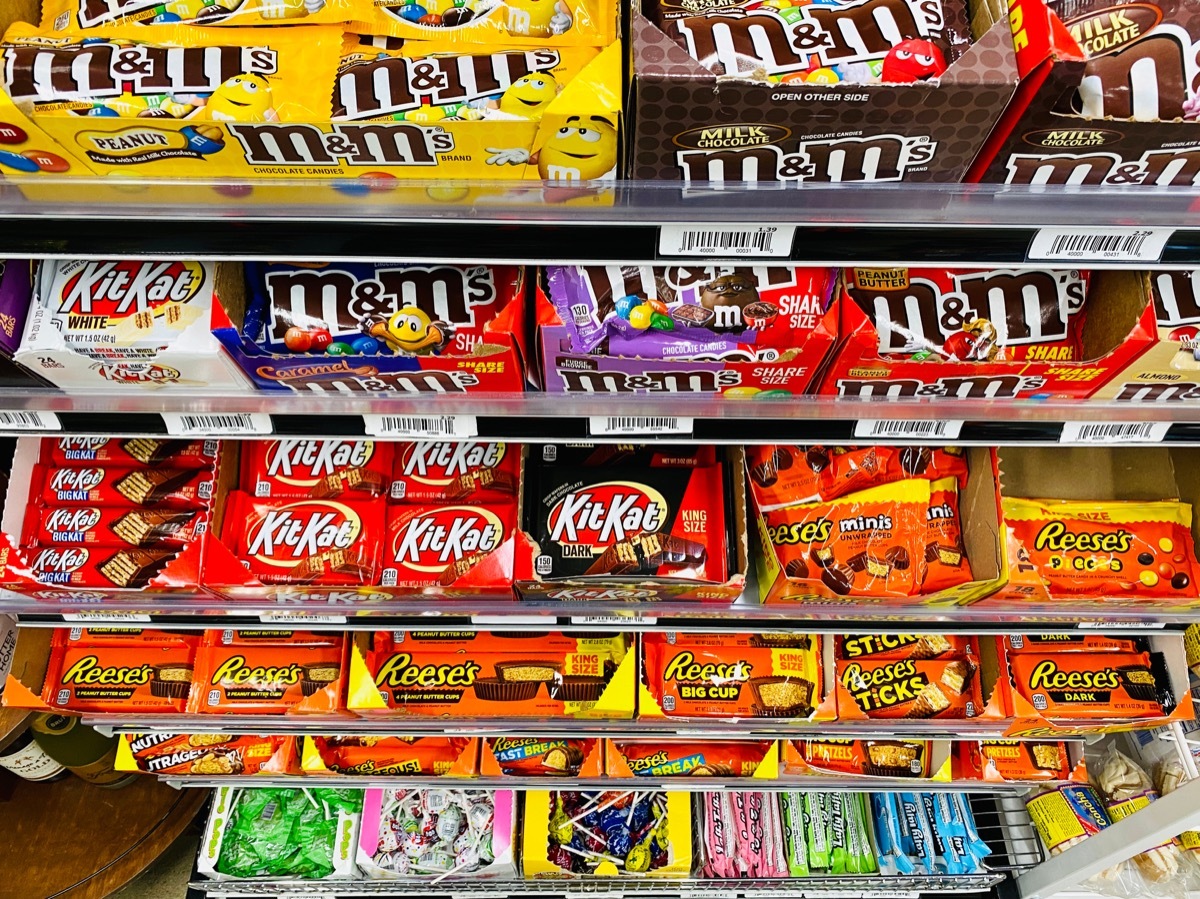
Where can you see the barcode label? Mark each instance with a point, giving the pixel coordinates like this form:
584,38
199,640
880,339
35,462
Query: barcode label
106,617
608,425
421,426
941,429
187,424
707,894
29,421
1124,625
299,618
1109,432
617,620
1099,244
768,241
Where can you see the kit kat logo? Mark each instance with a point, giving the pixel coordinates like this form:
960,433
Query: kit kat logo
429,541
399,671
72,521
88,670
1071,138
116,289
439,463
593,518
53,565
136,372
719,137
74,479
1113,27
284,536
304,462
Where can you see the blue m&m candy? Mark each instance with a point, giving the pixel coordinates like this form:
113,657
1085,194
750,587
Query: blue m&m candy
624,305
413,12
365,346
18,162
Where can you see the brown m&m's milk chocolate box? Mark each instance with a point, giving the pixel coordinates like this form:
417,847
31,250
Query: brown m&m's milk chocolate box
795,92
1108,96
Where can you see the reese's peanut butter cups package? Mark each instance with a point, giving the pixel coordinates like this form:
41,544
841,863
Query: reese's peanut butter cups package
790,475
1092,684
126,677
737,675
1120,549
267,678
197,74
974,316
864,544
519,23
77,15
912,689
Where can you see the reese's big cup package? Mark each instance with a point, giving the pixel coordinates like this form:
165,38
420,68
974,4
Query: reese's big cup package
375,309
783,475
493,675
200,75
119,676
628,522
77,15
731,675
1111,548
968,316
316,469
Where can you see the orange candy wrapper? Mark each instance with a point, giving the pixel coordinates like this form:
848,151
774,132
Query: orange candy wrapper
143,679
911,689
873,758
878,647
1014,760
267,679
789,475
390,756
209,755
1090,684
1045,643
1098,549
945,559
537,757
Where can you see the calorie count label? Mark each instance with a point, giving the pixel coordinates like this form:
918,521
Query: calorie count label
765,241
1114,244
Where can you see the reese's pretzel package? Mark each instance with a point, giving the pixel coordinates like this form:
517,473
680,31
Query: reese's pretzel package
1098,549
1014,761
790,475
732,676
493,675
872,758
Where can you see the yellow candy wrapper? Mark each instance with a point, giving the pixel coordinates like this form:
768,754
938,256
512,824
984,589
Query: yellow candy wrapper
518,23
426,83
82,15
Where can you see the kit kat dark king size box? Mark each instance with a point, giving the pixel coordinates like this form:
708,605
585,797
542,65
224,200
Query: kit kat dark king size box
873,90
1108,96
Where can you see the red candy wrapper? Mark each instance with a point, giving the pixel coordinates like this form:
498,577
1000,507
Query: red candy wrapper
438,545
307,541
113,526
1009,315
133,453
467,472
317,469
96,567
94,485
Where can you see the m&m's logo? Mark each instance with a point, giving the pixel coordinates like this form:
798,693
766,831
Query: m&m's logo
603,514
284,536
429,541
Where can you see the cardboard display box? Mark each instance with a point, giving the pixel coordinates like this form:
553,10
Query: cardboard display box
692,125
1119,327
979,516
498,370
562,370
1044,137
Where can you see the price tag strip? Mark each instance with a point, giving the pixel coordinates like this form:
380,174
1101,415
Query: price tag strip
727,241
106,617
421,427
1098,244
632,425
1114,432
29,421
300,618
222,424
891,429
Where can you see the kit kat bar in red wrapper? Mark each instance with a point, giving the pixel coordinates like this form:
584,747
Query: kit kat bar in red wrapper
316,469
467,472
305,541
133,452
439,545
98,485
112,525
96,567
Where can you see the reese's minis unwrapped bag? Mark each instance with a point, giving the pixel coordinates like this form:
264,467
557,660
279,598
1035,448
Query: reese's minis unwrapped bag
1111,548
911,689
944,563
864,544
735,676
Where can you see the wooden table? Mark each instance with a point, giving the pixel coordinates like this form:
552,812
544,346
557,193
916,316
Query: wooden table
71,840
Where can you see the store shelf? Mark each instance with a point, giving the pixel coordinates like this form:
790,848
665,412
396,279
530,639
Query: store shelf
673,729
599,223
677,784
549,418
353,610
